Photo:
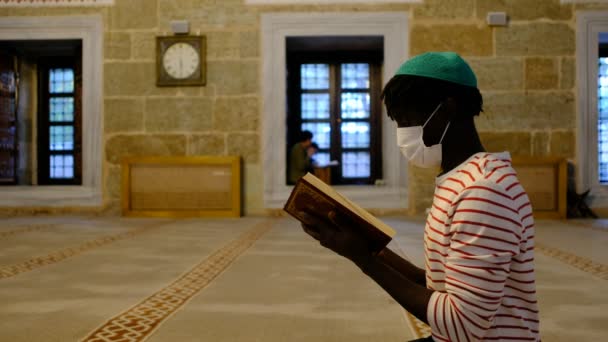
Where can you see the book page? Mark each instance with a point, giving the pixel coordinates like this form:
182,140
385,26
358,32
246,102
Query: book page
364,214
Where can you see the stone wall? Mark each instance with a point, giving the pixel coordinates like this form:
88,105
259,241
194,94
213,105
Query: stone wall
526,73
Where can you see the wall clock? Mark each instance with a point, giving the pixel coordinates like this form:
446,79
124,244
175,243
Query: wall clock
180,61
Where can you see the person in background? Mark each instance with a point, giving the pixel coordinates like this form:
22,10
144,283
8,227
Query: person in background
478,283
299,158
311,151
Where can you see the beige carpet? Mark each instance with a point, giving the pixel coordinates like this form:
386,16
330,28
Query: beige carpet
250,279
190,280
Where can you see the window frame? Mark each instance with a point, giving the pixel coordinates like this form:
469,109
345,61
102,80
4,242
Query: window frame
44,124
276,28
294,117
602,53
589,25
88,29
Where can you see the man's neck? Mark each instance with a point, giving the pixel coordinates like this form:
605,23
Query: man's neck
461,145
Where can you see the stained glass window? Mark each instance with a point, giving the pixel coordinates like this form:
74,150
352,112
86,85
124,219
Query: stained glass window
602,132
355,76
62,138
355,164
315,76
355,134
355,105
61,125
62,166
62,109
335,104
315,106
61,81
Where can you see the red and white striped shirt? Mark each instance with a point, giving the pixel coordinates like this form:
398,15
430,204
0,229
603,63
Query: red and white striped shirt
479,253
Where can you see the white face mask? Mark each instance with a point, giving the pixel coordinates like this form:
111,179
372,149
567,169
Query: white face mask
409,140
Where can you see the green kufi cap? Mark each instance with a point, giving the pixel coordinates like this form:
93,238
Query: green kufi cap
447,66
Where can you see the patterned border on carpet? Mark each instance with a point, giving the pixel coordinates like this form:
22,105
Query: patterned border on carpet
418,328
582,263
60,255
26,229
140,321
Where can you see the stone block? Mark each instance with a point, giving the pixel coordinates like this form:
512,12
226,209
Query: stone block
563,144
535,39
120,146
540,144
465,39
209,12
134,14
233,77
143,46
246,145
117,45
124,79
498,73
514,111
210,144
229,14
567,79
113,182
194,10
189,114
139,79
249,44
541,73
236,114
123,115
525,9
437,9
223,45
254,189
517,143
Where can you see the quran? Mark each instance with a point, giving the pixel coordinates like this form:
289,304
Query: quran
312,195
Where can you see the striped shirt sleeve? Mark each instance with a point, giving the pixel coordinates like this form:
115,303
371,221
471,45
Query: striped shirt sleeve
484,234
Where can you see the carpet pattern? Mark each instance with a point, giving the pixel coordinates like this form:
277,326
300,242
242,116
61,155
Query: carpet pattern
25,229
141,320
419,328
247,279
60,255
582,263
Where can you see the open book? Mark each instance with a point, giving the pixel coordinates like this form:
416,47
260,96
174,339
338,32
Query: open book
330,164
313,195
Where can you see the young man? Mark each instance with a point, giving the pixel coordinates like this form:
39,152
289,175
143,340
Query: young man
478,283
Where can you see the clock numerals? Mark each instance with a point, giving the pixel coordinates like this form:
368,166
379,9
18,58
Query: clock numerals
181,60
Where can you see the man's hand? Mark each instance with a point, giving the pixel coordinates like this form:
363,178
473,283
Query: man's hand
336,233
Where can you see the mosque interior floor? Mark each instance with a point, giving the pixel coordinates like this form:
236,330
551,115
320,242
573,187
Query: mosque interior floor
76,278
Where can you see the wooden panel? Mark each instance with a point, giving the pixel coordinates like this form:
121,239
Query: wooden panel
545,181
182,186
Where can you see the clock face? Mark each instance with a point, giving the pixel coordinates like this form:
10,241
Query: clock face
181,60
